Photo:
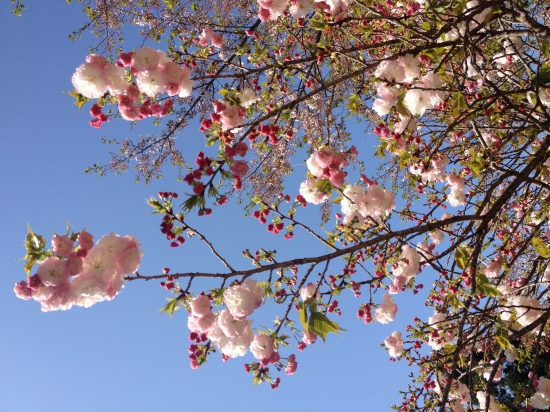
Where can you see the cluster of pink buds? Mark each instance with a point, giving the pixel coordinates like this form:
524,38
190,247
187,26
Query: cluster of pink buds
204,168
100,117
333,308
271,131
169,284
365,313
166,195
166,228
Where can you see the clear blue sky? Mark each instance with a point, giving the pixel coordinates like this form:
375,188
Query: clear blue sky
122,355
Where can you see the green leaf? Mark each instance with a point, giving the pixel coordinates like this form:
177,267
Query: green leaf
426,26
484,287
453,301
302,313
541,247
318,25
502,338
171,307
476,168
33,242
458,105
353,104
155,204
286,114
543,76
29,264
545,46
462,255
322,326
190,203
80,100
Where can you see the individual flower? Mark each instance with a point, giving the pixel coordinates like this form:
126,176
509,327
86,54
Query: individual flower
385,313
85,240
394,343
236,346
87,291
311,194
114,76
417,101
391,71
239,168
62,245
145,58
53,271
239,300
75,264
232,327
291,365
494,268
248,97
200,306
308,291
411,66
489,370
22,290
388,98
100,263
152,82
314,168
231,117
482,399
256,291
129,260
408,265
88,80
541,399
262,346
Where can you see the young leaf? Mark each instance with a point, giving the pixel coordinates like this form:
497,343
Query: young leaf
541,247
302,313
462,256
171,307
322,326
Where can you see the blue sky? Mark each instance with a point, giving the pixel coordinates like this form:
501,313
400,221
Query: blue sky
122,355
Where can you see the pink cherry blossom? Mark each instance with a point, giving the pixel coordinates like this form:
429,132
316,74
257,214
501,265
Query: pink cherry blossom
385,313
292,365
394,343
200,306
53,271
239,168
62,245
262,346
145,58
22,290
89,81
239,300
85,240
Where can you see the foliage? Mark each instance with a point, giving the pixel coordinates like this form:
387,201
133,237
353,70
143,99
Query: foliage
455,93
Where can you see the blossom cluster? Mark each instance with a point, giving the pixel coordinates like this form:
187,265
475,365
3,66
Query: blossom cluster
457,185
541,399
155,73
425,95
359,204
405,269
83,275
324,164
231,330
228,114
